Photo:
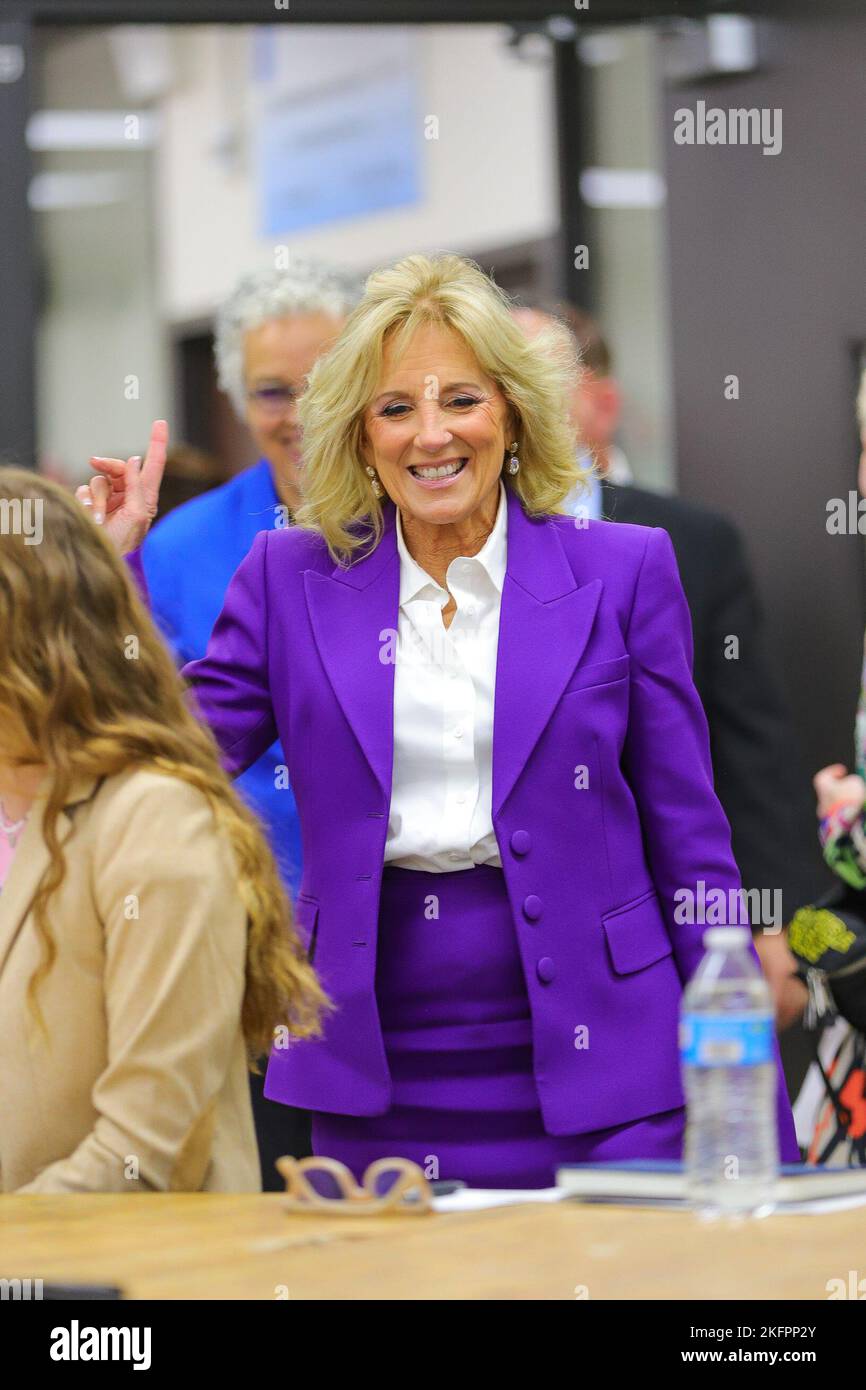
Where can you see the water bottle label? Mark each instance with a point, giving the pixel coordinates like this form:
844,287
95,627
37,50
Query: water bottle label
729,1040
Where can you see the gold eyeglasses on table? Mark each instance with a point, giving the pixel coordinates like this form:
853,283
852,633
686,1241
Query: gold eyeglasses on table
408,1192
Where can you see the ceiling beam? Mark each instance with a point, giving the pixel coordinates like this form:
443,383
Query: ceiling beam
597,12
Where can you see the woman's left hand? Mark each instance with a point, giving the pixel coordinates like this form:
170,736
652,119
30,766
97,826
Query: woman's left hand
124,495
779,965
835,786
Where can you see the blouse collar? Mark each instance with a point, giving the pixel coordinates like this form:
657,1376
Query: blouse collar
492,556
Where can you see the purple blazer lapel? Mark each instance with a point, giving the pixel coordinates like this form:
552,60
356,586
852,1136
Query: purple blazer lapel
545,623
354,614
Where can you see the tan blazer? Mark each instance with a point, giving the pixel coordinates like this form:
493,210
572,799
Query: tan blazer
141,1083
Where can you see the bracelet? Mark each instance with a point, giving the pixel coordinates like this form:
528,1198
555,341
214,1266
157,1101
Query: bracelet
838,805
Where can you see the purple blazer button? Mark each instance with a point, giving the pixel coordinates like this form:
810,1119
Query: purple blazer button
545,970
521,842
532,908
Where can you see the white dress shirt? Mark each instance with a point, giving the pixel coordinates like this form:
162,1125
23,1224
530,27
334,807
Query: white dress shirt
441,793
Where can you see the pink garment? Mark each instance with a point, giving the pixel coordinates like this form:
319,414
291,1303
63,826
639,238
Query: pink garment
7,854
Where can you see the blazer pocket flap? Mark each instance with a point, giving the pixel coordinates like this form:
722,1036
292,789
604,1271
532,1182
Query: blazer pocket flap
599,673
306,922
636,935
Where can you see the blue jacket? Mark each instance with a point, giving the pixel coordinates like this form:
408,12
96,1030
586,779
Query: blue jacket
189,558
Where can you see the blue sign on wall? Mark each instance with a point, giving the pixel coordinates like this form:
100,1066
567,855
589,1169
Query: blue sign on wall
341,145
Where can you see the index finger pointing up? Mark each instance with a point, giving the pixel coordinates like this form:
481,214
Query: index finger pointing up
154,461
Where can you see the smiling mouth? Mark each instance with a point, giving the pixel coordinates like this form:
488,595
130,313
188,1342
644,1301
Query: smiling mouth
432,471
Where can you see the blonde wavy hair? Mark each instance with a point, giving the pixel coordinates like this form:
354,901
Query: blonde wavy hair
67,701
453,292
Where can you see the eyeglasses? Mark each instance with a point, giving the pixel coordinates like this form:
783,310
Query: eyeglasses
326,1185
273,400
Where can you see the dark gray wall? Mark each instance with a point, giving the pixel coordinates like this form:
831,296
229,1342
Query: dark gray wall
768,281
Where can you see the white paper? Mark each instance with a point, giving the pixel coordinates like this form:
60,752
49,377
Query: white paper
479,1198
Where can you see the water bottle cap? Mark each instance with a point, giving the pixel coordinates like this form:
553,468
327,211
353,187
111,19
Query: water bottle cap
726,938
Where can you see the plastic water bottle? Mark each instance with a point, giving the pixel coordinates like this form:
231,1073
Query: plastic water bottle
729,1073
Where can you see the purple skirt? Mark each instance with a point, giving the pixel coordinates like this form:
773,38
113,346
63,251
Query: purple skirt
458,1037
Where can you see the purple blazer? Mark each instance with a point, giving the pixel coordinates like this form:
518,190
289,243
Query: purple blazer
603,800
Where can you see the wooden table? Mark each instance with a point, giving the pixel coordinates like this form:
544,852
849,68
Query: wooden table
248,1247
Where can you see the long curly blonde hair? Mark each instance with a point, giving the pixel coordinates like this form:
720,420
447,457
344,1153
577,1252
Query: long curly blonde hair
67,701
453,292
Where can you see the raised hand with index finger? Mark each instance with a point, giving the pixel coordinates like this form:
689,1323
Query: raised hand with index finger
124,495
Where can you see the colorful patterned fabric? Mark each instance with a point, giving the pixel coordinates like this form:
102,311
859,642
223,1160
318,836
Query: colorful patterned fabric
843,832
839,1135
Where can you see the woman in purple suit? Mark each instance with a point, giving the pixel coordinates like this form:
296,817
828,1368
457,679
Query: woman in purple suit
499,759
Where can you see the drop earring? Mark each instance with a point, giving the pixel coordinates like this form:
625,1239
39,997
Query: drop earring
513,464
374,481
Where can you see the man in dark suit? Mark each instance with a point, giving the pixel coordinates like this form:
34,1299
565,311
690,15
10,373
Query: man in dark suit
759,780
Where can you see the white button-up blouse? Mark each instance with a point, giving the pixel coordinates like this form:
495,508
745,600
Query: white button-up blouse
444,679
